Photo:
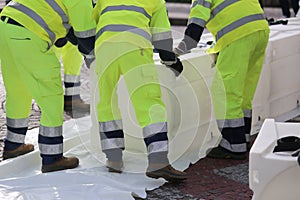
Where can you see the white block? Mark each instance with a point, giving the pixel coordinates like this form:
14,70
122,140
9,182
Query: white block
274,176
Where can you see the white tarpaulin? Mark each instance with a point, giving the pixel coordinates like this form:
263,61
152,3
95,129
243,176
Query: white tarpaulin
192,130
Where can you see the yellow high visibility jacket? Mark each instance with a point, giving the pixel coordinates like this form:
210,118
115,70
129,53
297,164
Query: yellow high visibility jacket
228,20
134,21
52,19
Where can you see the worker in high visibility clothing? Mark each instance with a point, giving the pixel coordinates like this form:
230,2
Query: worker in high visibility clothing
31,70
72,62
241,33
123,46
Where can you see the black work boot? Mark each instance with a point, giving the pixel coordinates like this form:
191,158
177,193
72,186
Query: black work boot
222,153
61,164
166,172
21,150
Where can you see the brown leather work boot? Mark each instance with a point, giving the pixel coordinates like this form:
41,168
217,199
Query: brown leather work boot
114,166
61,164
21,150
76,104
167,172
76,108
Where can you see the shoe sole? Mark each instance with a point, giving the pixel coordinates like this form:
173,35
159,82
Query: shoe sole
7,155
168,178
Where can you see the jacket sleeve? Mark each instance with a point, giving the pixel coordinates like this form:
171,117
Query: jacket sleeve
161,33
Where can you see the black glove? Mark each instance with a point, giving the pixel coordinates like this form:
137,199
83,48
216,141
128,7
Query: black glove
71,37
176,66
61,42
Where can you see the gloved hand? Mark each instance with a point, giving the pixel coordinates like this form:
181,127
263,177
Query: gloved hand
176,66
61,42
181,49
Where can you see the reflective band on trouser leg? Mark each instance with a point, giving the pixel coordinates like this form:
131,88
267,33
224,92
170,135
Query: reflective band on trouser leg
50,144
112,139
156,140
248,124
72,86
233,139
16,132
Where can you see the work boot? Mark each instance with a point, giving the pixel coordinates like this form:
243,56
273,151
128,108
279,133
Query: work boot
167,172
61,164
21,150
76,107
114,166
222,153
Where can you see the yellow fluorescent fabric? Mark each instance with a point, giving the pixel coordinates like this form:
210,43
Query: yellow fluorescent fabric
30,72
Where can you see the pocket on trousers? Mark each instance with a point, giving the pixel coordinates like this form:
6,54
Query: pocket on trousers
49,83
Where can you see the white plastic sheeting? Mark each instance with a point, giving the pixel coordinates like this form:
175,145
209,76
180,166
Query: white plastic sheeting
192,130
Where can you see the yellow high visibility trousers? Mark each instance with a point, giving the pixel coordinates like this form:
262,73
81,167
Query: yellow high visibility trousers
30,71
137,66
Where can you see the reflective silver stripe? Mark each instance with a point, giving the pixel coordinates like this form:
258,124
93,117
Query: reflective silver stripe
230,123
222,6
71,78
247,137
85,34
14,137
51,149
204,3
112,143
161,36
239,23
123,27
247,113
110,126
238,148
155,128
72,91
129,8
35,17
61,13
17,123
50,131
197,21
160,146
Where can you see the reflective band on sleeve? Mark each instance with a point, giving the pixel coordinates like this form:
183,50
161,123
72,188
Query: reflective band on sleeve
71,78
197,21
71,91
14,137
17,123
238,148
110,126
49,149
203,3
35,17
222,6
155,128
162,36
121,28
238,24
61,13
85,34
230,123
50,131
160,146
247,113
129,8
112,143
